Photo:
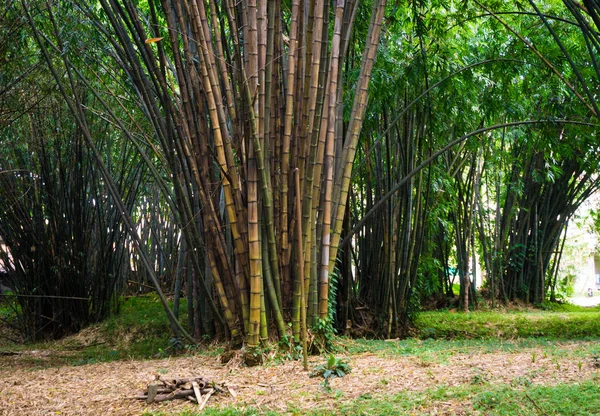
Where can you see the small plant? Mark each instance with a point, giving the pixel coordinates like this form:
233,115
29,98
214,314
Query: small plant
521,381
324,335
176,344
289,350
533,355
334,367
479,378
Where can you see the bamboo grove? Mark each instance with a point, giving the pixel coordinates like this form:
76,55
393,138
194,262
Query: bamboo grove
296,165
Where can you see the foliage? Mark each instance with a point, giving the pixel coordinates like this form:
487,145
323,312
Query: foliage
140,330
334,367
493,400
558,325
324,335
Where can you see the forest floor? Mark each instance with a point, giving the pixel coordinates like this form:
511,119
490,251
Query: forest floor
520,361
387,377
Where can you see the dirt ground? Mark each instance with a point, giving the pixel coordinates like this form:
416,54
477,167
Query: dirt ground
108,388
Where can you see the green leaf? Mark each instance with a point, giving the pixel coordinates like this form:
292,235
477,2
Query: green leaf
331,361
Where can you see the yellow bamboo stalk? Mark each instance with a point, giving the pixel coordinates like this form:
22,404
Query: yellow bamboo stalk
300,277
329,149
343,174
217,118
252,185
288,120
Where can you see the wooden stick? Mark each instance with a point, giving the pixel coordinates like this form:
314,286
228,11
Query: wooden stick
152,390
197,392
232,392
210,392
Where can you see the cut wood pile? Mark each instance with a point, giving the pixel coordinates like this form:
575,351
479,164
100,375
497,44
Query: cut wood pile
197,390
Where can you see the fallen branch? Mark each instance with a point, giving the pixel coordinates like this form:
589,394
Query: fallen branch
197,390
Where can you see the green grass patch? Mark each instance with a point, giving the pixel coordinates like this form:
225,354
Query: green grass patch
140,330
441,350
567,307
474,399
507,325
563,399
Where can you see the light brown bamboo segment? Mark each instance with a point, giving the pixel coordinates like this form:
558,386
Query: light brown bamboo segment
315,65
222,296
288,120
241,244
300,277
340,195
252,185
215,109
210,218
222,62
329,149
264,326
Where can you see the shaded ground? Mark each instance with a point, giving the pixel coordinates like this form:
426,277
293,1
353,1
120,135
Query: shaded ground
27,388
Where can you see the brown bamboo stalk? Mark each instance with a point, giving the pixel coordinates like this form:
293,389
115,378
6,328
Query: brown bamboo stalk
300,277
342,178
329,150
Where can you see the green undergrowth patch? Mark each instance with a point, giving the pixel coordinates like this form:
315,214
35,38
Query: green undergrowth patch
563,399
140,330
567,307
508,325
440,350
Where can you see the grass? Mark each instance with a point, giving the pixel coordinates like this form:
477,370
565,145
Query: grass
441,350
508,325
563,399
140,330
475,399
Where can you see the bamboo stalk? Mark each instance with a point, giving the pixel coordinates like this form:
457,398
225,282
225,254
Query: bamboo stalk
300,277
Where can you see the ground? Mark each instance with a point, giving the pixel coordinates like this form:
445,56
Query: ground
31,383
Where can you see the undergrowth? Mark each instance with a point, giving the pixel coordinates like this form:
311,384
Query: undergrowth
140,330
566,324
